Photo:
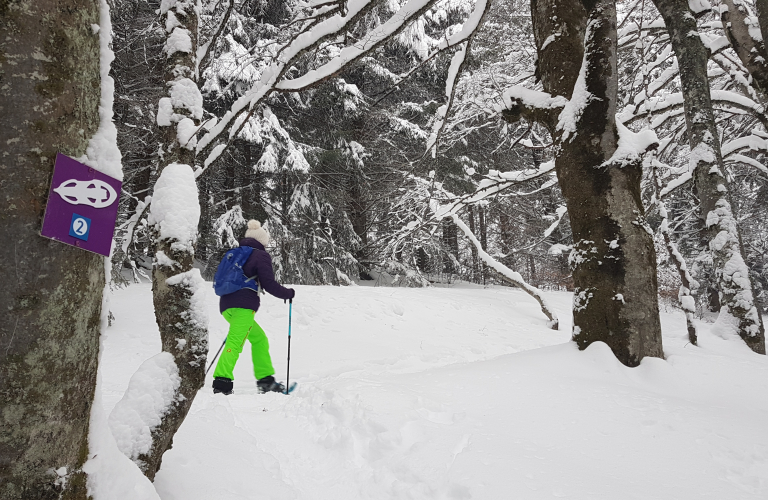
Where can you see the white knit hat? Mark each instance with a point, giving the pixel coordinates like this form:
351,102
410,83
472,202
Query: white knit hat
257,232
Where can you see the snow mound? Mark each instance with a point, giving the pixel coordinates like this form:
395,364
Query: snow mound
175,210
150,394
459,393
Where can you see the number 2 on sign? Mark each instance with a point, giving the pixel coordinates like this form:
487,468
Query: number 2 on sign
80,226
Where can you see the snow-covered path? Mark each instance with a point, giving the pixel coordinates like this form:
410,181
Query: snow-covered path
456,393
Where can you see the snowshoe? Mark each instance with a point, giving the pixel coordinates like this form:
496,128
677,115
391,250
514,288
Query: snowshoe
269,384
223,385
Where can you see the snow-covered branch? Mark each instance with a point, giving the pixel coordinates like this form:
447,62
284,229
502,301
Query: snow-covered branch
508,274
533,105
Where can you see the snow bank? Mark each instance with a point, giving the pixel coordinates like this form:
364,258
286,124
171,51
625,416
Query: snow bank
111,475
459,393
150,394
175,209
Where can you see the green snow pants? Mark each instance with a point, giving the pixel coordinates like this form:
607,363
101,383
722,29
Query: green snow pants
243,326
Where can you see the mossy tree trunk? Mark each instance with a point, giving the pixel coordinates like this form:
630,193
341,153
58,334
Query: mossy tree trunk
613,259
50,300
720,231
174,281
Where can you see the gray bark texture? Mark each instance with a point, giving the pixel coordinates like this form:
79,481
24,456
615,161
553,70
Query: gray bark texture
712,186
173,303
50,301
613,260
751,52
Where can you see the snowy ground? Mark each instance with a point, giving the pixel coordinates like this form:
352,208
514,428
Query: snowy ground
456,393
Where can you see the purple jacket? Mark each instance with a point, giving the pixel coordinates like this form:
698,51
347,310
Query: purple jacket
258,264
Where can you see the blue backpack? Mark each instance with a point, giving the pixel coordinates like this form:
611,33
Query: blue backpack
230,276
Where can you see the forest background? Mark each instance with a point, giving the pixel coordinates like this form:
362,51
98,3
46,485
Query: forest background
605,148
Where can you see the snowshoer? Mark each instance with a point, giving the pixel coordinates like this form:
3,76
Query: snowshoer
239,309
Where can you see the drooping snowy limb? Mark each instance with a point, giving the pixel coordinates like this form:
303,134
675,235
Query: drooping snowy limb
508,275
687,283
720,228
674,102
273,77
731,151
495,183
613,259
204,51
457,63
411,11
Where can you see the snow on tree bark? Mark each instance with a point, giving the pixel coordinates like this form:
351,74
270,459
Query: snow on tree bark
174,217
746,40
712,186
50,304
613,259
598,165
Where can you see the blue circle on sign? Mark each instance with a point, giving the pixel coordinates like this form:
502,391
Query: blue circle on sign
80,227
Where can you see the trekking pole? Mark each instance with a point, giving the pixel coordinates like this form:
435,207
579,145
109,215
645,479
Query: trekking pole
217,355
288,375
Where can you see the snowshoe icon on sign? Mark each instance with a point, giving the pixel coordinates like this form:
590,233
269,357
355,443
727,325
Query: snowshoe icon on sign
95,193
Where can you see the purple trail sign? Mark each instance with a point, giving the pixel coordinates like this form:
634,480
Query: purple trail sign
82,206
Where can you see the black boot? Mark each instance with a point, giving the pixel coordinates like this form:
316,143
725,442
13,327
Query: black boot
222,385
269,384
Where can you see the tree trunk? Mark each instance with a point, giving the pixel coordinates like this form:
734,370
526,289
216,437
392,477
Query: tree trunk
450,245
720,228
751,52
50,301
471,218
483,239
613,259
174,282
